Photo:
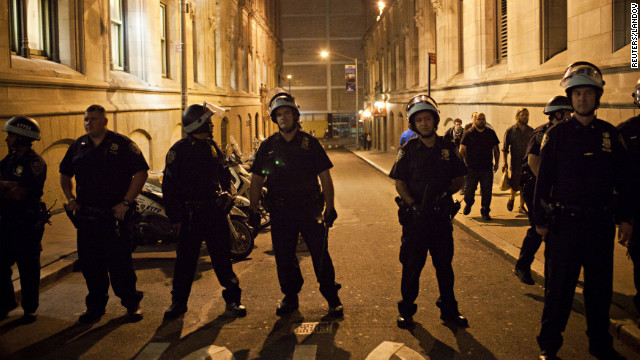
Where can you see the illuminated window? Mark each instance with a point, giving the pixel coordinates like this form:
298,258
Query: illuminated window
117,34
163,40
33,27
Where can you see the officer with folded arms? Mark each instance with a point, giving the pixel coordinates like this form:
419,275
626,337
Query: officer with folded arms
195,184
427,171
22,216
582,162
110,172
291,161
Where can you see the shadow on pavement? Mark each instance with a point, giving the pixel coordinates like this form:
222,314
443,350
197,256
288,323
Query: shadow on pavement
281,341
70,343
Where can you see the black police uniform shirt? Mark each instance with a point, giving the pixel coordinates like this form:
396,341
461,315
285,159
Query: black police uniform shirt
30,172
195,170
420,166
533,148
479,148
630,131
580,166
103,173
291,168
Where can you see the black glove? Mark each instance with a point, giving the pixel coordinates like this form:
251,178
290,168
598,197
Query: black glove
416,210
330,215
254,222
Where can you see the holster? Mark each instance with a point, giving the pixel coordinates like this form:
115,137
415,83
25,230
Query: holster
552,214
405,214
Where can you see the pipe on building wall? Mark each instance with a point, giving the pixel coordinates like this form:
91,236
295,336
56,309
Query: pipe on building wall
183,54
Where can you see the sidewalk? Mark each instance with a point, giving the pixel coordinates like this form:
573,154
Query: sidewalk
58,252
505,234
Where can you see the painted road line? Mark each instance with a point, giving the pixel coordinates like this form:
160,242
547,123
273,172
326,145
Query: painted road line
210,352
305,352
387,349
152,351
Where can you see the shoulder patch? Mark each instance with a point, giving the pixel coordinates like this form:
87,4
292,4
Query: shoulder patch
539,137
171,155
37,167
214,153
400,155
545,140
134,148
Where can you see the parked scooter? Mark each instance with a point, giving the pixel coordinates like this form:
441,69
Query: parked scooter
242,183
153,224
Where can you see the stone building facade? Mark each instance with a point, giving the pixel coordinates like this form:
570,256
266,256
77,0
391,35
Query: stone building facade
59,57
493,56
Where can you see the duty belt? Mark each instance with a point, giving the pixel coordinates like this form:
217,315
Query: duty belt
582,211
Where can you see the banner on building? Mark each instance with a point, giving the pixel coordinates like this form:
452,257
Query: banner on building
350,78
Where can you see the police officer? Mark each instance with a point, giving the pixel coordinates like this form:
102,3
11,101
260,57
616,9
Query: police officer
290,161
195,175
558,108
110,171
427,171
582,161
22,176
630,131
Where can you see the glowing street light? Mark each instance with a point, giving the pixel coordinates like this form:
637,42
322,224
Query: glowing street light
289,78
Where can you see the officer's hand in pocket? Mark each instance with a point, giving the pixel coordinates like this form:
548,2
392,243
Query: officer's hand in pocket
330,215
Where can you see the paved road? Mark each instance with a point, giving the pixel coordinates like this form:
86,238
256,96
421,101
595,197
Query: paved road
503,314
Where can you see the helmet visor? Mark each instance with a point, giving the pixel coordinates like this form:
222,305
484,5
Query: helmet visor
586,71
419,99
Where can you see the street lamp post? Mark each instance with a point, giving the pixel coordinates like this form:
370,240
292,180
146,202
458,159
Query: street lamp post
289,78
325,54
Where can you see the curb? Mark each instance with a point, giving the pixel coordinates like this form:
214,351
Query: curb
624,330
50,273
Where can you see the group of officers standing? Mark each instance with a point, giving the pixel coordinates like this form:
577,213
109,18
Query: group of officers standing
110,172
573,167
578,182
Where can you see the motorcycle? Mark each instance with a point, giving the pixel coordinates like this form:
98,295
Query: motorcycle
242,182
153,224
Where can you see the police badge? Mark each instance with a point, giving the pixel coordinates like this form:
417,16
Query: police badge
114,148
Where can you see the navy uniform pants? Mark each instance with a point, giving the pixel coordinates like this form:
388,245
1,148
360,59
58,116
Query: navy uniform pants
532,240
212,227
578,243
418,240
104,255
21,245
286,224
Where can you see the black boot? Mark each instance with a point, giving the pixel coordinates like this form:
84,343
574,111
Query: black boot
236,310
174,311
405,322
455,320
90,317
288,305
